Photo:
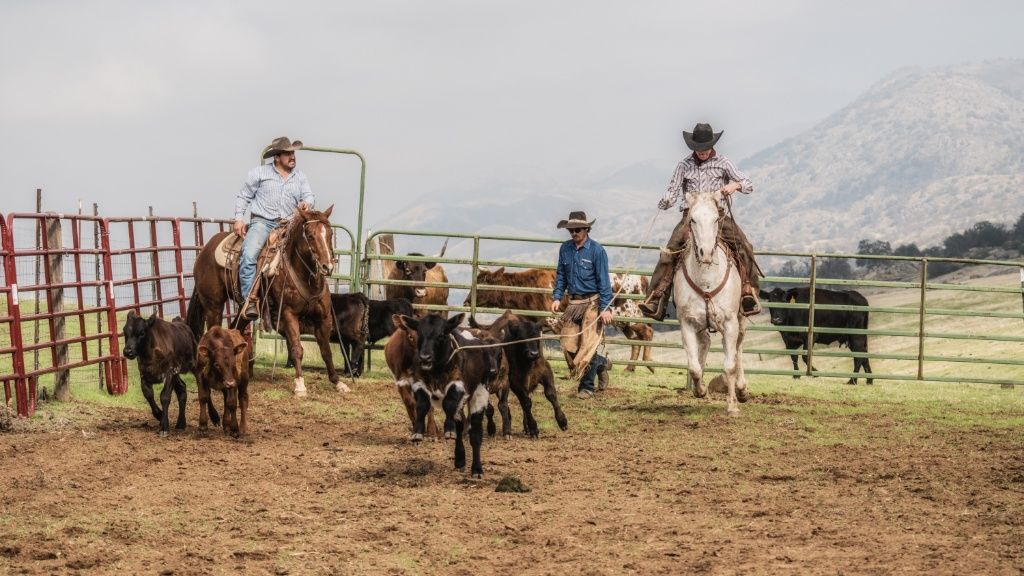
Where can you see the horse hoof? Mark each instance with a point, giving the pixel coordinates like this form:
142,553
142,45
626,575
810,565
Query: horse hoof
733,412
301,393
700,391
742,395
341,387
416,438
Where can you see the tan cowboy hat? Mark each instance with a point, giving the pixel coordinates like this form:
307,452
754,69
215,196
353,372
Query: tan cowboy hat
702,138
576,220
282,144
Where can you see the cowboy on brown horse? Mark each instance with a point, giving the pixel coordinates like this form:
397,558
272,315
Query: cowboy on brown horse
704,170
272,192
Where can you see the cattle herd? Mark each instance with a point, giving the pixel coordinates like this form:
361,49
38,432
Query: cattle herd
439,366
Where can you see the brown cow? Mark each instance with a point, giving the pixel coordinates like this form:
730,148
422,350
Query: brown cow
400,355
539,278
529,278
419,272
222,364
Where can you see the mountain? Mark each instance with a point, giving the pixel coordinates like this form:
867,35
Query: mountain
919,155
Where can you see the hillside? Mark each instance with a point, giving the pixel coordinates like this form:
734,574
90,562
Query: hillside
922,153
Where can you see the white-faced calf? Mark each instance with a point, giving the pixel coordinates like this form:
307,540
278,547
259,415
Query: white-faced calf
452,380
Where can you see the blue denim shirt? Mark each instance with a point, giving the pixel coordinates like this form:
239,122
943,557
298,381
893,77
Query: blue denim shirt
583,270
270,195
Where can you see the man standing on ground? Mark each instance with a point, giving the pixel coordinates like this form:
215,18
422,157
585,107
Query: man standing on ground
583,271
273,192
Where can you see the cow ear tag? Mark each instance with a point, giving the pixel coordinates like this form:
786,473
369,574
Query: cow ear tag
792,300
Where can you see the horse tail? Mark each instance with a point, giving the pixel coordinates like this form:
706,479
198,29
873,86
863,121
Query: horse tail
195,316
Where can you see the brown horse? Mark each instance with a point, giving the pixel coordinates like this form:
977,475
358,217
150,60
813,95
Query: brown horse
299,301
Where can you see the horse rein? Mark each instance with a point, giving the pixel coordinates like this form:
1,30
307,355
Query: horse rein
708,295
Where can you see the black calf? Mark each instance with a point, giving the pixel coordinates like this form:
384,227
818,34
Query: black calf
164,350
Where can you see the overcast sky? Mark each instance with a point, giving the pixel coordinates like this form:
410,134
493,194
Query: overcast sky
132,104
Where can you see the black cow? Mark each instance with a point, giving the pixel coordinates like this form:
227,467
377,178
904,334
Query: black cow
857,319
164,350
350,314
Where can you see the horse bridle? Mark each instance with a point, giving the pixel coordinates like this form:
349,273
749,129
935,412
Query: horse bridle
708,295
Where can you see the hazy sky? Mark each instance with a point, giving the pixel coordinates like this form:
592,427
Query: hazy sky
131,104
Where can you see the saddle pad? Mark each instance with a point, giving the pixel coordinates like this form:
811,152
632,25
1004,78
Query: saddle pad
231,243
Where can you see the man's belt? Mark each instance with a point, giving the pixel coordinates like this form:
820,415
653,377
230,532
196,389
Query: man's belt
255,215
582,298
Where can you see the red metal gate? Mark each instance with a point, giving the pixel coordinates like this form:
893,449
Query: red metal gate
66,315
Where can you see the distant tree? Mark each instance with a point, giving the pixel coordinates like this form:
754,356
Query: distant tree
873,248
955,245
1016,234
835,268
907,250
793,269
986,234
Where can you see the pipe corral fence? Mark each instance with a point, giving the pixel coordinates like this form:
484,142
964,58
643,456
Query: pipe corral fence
68,280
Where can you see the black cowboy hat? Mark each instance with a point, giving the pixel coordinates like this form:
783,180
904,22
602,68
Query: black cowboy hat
282,144
702,138
576,220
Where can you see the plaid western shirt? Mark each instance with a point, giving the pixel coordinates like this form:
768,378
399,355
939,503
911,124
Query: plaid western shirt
270,195
712,174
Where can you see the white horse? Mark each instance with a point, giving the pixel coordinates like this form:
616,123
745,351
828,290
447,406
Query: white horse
707,296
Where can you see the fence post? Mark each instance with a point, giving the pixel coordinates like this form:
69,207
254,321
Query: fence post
154,264
920,320
39,245
118,381
178,265
809,348
55,305
476,268
99,321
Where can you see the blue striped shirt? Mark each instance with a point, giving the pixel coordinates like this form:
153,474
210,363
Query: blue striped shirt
583,270
270,195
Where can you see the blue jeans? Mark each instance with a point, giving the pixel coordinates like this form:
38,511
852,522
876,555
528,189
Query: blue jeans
596,364
255,238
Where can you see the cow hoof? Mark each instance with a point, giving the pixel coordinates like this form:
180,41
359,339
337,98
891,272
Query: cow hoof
163,433
416,437
449,435
341,387
478,475
508,436
563,423
851,382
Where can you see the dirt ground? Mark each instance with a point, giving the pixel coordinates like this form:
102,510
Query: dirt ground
651,482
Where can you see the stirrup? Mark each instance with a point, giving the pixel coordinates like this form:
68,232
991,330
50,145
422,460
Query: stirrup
251,311
749,305
656,309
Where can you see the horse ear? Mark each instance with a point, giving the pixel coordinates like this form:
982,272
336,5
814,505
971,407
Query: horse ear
327,213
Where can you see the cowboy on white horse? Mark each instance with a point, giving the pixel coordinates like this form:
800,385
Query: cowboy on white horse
703,171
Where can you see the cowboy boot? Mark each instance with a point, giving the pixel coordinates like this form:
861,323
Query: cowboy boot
251,308
750,305
602,376
656,303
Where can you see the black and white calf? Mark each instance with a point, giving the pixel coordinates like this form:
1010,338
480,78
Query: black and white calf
452,380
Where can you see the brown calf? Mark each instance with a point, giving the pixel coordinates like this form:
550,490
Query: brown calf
419,272
222,364
400,355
